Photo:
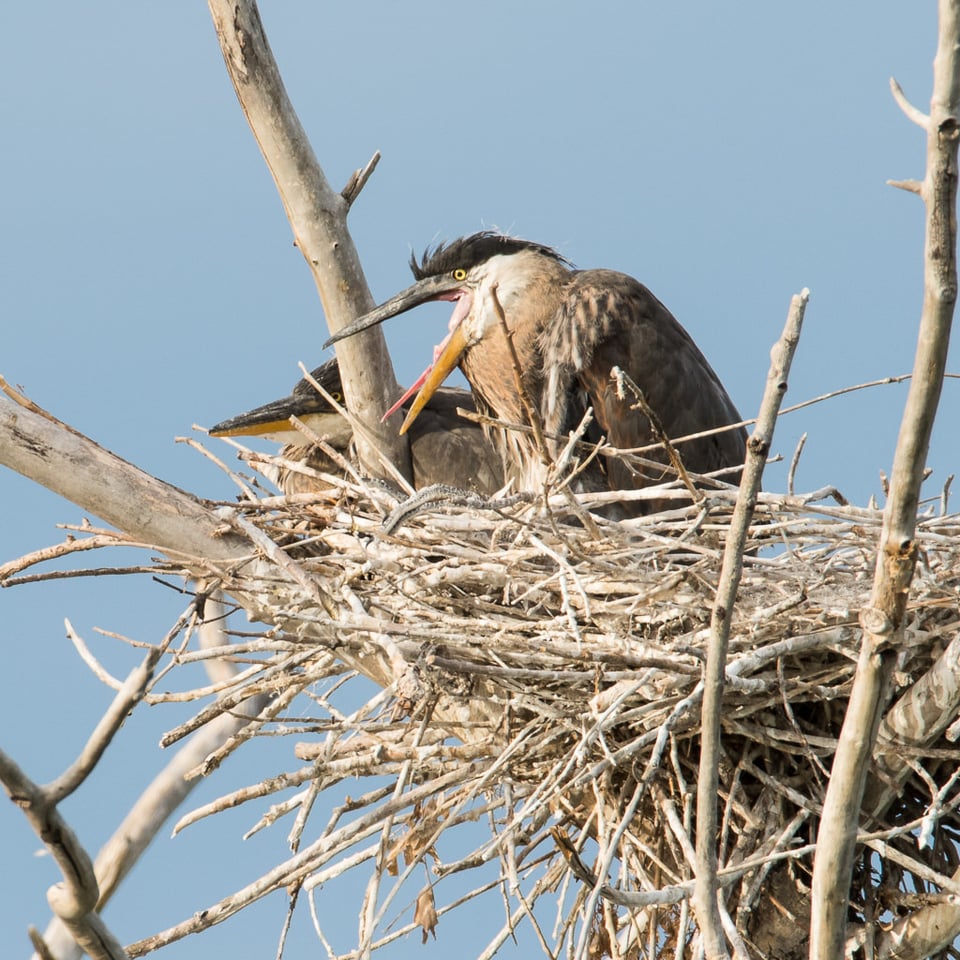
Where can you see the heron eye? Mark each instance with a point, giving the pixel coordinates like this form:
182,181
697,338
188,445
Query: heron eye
337,396
460,274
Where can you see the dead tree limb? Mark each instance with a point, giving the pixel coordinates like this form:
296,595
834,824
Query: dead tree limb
882,618
163,795
318,216
147,510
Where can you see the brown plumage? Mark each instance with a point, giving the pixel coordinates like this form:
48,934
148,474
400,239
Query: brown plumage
444,447
569,328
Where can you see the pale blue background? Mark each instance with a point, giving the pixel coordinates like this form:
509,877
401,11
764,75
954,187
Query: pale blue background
725,154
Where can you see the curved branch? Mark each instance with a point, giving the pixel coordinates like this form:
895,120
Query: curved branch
73,900
163,795
912,113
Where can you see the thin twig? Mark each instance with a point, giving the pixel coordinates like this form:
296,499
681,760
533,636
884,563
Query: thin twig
705,899
358,179
622,380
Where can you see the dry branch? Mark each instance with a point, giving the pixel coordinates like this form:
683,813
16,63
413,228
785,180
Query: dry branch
882,619
159,800
575,719
147,510
707,901
75,900
318,216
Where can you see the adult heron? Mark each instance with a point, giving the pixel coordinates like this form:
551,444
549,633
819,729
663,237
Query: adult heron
568,328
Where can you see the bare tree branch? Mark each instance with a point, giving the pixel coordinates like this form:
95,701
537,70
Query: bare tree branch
318,216
77,901
912,113
358,179
164,794
150,511
74,900
882,618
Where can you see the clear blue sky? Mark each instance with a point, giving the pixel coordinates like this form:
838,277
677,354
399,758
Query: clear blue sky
727,155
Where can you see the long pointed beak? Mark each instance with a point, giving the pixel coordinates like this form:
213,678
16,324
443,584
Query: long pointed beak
449,357
270,418
430,288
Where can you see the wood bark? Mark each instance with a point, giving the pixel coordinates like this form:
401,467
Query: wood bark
146,509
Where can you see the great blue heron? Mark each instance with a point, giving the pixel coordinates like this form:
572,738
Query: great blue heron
444,447
569,329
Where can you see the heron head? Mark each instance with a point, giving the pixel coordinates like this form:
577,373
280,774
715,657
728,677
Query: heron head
272,420
477,273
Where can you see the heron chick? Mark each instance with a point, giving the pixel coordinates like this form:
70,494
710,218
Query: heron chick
569,328
445,448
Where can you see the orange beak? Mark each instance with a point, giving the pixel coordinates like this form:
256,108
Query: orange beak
442,367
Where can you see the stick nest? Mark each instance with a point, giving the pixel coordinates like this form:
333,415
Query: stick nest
533,725
544,675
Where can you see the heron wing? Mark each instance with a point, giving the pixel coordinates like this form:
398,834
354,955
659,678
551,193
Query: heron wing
609,319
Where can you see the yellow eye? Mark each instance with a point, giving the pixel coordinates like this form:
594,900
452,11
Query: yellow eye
460,274
337,396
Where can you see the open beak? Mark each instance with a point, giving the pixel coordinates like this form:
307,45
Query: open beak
448,354
449,357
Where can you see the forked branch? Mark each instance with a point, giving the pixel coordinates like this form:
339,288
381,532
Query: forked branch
318,216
